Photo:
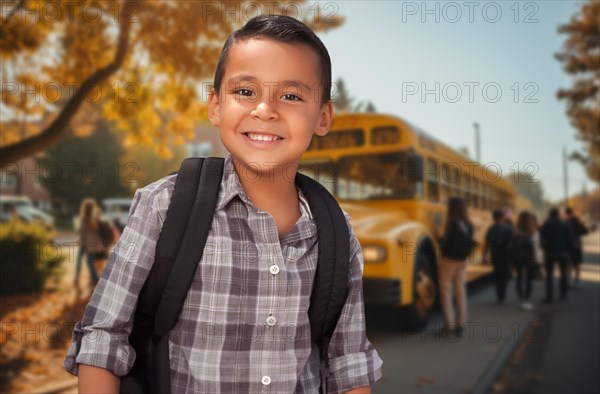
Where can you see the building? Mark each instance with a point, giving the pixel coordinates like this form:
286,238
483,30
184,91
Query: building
207,142
23,178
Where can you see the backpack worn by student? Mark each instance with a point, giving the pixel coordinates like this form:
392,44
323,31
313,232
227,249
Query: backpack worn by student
107,233
458,243
179,249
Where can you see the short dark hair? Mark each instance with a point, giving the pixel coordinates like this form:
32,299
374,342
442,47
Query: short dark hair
497,214
284,29
553,213
569,210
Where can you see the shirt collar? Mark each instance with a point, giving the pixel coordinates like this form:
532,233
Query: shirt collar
231,187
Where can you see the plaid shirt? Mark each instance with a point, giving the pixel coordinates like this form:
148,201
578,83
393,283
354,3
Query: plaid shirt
244,325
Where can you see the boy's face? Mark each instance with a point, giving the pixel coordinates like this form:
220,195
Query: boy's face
269,104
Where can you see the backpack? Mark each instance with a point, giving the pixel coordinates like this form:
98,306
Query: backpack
107,233
459,243
179,249
522,249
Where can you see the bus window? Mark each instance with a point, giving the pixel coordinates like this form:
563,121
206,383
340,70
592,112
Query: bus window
373,177
475,192
323,171
385,135
340,139
432,177
467,184
444,184
454,179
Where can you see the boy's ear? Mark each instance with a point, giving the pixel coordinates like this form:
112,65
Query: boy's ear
325,118
214,114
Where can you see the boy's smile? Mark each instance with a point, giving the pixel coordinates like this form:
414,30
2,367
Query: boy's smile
269,103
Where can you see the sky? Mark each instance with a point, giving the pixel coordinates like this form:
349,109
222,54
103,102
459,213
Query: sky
443,65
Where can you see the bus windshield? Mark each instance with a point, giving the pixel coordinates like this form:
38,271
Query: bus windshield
363,177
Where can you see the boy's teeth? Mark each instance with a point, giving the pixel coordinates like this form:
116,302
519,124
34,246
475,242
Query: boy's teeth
262,137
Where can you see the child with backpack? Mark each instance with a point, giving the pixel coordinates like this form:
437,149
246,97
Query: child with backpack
456,246
523,256
262,254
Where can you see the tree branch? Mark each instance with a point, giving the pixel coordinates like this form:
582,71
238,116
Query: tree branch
59,127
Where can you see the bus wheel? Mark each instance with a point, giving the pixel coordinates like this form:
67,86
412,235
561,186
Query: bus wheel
416,316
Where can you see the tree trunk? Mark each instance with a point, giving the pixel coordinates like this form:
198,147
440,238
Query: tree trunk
58,128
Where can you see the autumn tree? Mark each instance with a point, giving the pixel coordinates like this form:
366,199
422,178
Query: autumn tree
142,165
75,168
528,186
581,59
146,65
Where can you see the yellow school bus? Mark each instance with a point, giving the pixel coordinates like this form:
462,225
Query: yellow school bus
394,180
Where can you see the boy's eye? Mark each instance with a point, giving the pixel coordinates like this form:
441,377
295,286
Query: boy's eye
244,92
291,97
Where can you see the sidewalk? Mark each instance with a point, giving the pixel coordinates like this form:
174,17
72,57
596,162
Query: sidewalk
591,242
431,362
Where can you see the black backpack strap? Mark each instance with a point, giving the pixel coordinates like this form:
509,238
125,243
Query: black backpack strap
330,287
190,214
171,235
194,239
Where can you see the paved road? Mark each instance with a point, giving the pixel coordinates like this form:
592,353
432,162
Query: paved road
564,355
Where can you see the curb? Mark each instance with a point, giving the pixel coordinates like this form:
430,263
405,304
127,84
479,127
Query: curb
489,376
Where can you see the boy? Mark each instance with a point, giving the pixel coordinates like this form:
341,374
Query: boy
244,324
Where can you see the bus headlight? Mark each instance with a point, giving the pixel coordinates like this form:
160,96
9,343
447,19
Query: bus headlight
374,253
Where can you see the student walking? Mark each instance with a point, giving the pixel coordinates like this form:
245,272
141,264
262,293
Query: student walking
91,246
523,255
244,323
558,243
457,245
497,240
579,229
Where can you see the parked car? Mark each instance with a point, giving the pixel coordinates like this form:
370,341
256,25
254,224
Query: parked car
117,210
25,211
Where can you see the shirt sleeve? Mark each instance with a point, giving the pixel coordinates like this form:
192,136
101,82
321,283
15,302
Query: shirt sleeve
353,361
101,338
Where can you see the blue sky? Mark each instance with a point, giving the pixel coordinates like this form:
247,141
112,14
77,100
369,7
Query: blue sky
387,50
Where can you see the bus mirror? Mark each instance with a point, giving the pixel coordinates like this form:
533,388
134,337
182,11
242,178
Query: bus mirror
412,170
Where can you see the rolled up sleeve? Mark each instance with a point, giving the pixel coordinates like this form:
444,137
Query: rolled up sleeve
101,338
353,361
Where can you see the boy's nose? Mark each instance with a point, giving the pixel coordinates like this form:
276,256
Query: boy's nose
265,111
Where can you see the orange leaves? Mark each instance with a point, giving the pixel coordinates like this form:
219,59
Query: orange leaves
25,31
159,112
85,120
157,94
581,59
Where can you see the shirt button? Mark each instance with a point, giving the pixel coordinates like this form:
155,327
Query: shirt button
266,380
271,321
274,269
